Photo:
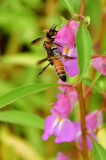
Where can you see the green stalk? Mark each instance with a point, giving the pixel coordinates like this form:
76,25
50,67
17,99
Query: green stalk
83,122
82,6
82,104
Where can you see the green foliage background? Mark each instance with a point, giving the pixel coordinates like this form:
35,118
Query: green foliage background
21,21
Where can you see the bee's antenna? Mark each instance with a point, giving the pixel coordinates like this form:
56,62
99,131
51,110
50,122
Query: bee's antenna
53,25
56,26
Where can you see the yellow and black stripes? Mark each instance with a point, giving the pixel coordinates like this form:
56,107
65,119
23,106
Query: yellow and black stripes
60,69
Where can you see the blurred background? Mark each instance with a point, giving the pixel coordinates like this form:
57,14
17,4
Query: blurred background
22,21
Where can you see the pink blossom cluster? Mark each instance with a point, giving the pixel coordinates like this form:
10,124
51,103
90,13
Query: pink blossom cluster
66,38
63,128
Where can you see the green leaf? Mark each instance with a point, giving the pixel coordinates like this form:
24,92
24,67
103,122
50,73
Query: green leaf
84,45
69,6
99,153
21,92
22,118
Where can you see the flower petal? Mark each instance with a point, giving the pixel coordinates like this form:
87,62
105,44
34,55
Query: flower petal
100,64
65,132
61,156
74,25
51,123
62,107
65,35
71,66
89,141
77,126
63,88
94,120
73,98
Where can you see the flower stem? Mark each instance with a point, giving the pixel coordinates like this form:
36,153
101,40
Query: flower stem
104,101
82,6
82,115
82,100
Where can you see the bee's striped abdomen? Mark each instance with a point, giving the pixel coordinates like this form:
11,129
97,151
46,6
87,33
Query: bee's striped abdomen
60,69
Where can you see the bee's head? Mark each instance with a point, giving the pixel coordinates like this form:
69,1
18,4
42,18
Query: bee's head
52,31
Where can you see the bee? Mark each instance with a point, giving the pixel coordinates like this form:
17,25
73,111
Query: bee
53,54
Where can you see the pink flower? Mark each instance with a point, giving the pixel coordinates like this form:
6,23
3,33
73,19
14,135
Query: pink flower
66,38
64,88
66,35
61,156
63,129
93,121
58,123
62,106
66,101
100,64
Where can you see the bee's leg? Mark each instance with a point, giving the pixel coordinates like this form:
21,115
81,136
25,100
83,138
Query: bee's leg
57,44
44,44
51,61
43,69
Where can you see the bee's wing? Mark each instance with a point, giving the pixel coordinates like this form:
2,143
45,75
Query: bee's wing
38,40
